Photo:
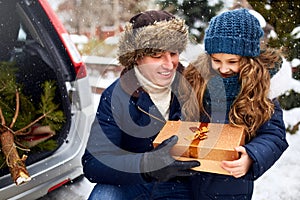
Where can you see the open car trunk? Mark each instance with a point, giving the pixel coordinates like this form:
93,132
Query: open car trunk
32,72
33,38
23,41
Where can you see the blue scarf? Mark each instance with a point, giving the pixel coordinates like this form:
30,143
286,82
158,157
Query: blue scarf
219,96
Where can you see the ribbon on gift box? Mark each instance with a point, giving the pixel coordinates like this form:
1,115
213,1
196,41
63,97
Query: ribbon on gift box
200,134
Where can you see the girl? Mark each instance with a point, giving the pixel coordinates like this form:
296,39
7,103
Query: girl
230,84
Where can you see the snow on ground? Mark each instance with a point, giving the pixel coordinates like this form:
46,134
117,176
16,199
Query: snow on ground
281,181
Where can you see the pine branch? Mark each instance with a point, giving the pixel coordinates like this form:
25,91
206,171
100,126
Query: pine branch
48,110
55,118
17,110
2,118
20,131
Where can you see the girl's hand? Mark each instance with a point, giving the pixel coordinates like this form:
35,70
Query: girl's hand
240,167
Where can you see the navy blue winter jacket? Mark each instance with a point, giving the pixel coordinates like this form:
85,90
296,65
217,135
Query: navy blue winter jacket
125,126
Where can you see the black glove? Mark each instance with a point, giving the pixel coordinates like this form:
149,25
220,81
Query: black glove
159,165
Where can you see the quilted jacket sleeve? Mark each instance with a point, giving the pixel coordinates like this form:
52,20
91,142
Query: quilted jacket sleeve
269,144
104,161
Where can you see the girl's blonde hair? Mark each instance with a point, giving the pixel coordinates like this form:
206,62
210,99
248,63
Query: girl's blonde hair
251,108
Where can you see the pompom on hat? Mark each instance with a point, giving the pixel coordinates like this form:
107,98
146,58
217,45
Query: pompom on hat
149,31
234,32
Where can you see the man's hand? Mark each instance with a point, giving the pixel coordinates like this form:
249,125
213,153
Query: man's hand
159,165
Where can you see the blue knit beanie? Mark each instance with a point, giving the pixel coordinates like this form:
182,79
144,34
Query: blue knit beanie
234,32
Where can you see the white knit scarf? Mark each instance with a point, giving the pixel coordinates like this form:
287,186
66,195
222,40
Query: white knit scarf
161,96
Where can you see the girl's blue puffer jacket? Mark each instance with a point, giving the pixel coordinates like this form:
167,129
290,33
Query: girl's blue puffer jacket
265,149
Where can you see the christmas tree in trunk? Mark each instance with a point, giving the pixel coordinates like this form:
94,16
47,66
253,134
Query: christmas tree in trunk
23,123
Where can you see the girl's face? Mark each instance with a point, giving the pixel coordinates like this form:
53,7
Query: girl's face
159,68
226,64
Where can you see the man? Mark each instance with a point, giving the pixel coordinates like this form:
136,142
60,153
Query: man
120,156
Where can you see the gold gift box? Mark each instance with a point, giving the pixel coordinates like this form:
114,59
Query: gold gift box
217,146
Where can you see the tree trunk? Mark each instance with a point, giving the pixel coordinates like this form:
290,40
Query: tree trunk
16,165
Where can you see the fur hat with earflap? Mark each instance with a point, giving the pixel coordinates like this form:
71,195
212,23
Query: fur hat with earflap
149,32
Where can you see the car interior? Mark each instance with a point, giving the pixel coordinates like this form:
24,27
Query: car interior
20,43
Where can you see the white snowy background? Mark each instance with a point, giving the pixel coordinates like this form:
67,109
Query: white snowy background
280,182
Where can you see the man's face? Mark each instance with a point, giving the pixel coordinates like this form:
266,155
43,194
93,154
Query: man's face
159,68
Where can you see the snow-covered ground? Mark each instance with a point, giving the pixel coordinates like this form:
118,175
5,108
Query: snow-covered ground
281,182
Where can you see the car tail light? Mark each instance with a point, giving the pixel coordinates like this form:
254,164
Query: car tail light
58,185
79,65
